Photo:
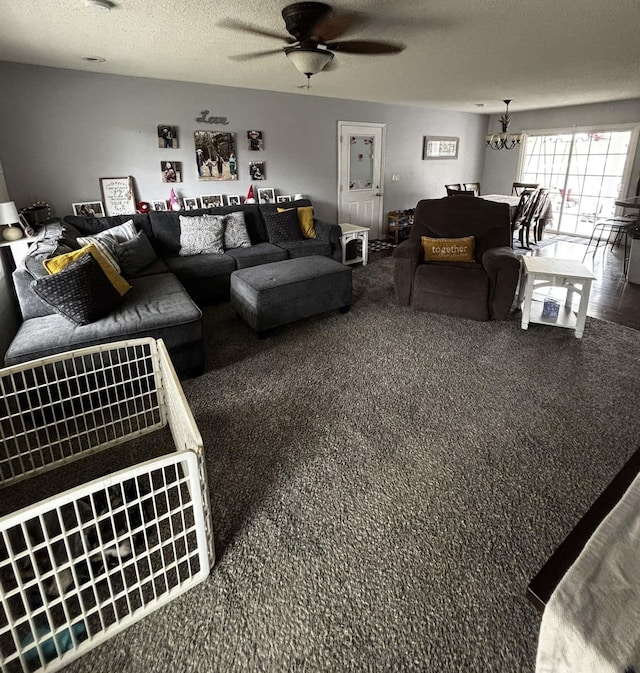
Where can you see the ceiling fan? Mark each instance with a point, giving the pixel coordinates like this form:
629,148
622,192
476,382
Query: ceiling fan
313,29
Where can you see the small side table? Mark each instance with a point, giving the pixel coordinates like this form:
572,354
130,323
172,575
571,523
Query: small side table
352,232
539,272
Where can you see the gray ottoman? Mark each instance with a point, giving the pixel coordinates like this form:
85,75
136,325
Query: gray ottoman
278,293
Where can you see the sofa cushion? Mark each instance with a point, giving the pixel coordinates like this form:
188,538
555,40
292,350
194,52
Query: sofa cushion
201,234
235,231
157,307
81,292
283,226
305,216
306,247
201,266
261,253
58,263
135,255
448,249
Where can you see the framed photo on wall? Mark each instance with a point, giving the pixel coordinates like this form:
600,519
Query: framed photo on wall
440,147
167,137
88,209
117,196
171,171
255,141
266,195
216,155
257,170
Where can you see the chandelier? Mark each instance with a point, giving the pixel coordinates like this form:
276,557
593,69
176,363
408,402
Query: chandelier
504,140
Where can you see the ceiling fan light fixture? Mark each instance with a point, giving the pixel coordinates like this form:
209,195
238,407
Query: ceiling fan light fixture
309,61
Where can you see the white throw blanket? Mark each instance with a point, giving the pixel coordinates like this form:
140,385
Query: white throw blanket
592,621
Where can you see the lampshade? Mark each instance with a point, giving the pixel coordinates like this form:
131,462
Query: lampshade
8,213
309,61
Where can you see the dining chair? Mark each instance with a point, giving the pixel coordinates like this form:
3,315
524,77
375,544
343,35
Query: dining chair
522,210
538,222
456,187
518,187
473,187
532,217
460,192
602,232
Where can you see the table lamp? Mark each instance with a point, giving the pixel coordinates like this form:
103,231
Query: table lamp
9,220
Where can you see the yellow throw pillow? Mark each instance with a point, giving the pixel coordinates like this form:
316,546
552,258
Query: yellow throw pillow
448,249
305,217
55,264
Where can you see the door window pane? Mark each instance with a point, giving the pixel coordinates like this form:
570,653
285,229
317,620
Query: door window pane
360,162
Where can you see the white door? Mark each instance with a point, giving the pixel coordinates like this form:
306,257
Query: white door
361,152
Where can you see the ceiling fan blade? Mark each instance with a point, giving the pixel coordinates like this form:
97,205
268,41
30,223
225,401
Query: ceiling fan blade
365,47
248,28
335,24
256,54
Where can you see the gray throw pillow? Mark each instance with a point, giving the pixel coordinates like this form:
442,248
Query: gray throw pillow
201,234
235,231
135,255
283,226
81,292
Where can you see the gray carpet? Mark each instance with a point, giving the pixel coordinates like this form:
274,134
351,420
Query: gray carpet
384,484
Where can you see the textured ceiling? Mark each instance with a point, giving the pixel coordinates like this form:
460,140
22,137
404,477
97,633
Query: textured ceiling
459,53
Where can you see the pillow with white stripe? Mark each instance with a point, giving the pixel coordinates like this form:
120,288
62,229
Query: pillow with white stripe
106,240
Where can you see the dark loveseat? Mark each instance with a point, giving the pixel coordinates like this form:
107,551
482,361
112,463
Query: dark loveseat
480,289
164,296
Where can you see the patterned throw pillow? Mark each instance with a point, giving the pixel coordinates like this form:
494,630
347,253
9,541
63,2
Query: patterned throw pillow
448,249
235,231
106,240
283,226
201,234
81,292
305,216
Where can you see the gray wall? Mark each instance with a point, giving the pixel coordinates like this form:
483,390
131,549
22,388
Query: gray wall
501,167
60,130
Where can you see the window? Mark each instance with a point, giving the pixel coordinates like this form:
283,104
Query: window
585,171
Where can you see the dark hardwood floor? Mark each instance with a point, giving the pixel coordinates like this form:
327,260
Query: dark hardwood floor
612,297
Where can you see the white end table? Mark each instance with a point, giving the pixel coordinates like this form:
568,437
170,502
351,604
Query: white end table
539,272
352,232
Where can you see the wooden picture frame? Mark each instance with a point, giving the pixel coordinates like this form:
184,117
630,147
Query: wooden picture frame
440,147
88,208
117,196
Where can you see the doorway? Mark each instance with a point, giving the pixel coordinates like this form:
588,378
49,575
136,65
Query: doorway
361,159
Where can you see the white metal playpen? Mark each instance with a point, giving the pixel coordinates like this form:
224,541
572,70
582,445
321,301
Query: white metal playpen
82,565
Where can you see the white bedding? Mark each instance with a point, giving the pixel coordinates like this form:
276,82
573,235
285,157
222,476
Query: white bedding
591,623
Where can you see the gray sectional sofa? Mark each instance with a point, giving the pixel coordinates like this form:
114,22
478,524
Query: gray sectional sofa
163,302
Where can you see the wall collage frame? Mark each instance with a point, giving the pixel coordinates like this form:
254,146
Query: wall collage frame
215,160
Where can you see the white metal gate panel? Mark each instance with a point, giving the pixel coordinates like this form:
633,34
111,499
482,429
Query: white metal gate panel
80,566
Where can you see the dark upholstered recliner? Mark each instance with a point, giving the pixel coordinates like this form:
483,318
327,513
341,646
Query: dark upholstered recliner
480,290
